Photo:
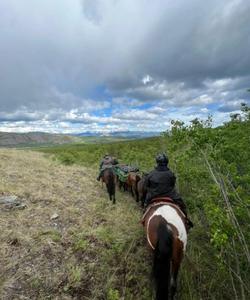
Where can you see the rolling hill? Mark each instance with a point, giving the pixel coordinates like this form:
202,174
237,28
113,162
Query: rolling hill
11,139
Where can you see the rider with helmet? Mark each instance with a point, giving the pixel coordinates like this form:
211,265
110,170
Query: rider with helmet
161,183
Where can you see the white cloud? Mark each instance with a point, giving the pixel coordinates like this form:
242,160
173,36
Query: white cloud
146,79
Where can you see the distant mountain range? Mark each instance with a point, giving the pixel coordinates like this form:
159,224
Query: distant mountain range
123,134
11,139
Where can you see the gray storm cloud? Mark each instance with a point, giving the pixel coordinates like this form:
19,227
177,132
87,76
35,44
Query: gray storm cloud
53,54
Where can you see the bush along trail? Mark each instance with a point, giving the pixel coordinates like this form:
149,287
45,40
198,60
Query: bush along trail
69,241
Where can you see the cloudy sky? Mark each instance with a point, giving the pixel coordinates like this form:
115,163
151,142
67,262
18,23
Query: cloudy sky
109,65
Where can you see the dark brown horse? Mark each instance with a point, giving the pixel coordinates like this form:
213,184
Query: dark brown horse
166,234
109,178
131,182
141,190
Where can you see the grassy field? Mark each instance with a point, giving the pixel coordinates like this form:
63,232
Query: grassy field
93,250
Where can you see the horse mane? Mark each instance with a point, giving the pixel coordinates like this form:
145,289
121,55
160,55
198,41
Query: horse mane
162,258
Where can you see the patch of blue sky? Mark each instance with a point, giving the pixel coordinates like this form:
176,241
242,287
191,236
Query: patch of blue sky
99,93
213,107
105,112
146,106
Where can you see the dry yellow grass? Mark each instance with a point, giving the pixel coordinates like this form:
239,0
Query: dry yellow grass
93,250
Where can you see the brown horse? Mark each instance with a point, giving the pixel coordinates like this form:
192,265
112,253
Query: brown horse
141,190
131,182
109,178
166,234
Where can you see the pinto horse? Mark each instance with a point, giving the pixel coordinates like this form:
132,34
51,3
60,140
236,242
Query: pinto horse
166,231
109,178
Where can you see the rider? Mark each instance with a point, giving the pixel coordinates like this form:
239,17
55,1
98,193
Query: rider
161,183
106,162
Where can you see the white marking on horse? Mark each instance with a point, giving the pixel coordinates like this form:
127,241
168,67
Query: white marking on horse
172,217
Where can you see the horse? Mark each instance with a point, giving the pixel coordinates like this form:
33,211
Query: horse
121,177
141,190
109,178
121,182
165,227
131,182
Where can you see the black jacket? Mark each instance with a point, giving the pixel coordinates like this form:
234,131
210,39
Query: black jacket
161,182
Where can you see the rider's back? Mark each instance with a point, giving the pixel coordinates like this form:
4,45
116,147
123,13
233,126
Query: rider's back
161,182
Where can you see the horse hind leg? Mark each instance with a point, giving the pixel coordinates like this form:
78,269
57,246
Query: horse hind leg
175,269
136,195
113,192
173,287
142,202
132,192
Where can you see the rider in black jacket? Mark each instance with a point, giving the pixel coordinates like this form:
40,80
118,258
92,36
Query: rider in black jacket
161,183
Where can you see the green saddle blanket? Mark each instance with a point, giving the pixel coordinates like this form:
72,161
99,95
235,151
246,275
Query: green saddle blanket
122,176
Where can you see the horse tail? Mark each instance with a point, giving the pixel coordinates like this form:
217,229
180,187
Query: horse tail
162,259
111,183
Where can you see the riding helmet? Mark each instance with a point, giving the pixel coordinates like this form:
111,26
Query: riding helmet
161,159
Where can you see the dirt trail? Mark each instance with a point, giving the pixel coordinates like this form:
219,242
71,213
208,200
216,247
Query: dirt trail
59,246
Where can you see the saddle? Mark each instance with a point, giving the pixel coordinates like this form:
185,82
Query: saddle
162,199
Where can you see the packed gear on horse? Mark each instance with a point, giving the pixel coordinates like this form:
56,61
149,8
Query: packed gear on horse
107,162
161,183
122,171
127,168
